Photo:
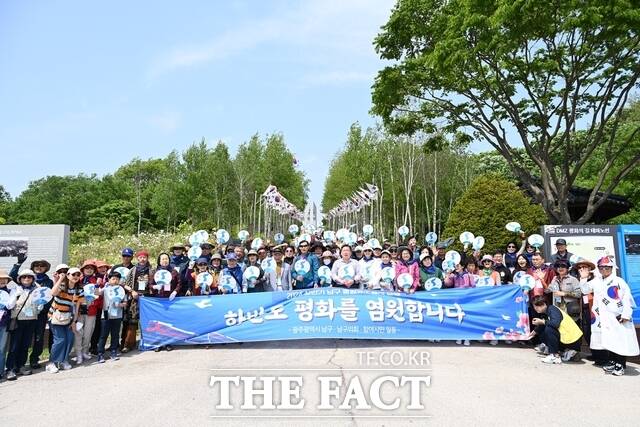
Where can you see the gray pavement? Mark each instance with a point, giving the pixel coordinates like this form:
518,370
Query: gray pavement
481,385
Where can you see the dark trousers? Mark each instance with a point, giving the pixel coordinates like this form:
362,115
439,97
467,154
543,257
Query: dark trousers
551,338
616,358
38,337
95,337
123,334
109,327
20,341
586,323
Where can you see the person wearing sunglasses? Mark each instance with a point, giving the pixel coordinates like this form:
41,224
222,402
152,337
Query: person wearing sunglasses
612,328
63,317
310,278
289,254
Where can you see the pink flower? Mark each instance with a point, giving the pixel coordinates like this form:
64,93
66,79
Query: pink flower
488,336
513,336
523,321
519,299
499,330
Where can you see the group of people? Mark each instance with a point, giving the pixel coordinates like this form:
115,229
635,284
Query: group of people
567,301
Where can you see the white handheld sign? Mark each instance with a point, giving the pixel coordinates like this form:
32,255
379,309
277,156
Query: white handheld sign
268,265
42,295
403,231
222,236
432,283
199,237
466,238
448,265
279,238
203,280
342,234
194,253
526,282
329,236
301,267
536,240
124,272
251,275
374,243
453,256
484,281
431,238
388,274
89,292
514,227
243,235
346,272
257,243
405,280
324,273
293,229
367,230
228,283
478,243
163,278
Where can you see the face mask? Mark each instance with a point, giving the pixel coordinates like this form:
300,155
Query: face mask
326,261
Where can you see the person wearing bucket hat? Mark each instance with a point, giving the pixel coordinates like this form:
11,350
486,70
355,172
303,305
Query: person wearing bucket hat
259,284
407,264
40,267
88,311
384,262
5,316
24,318
612,330
178,254
488,271
566,294
585,272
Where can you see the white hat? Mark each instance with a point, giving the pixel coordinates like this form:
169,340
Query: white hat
73,270
26,272
358,248
366,247
61,266
424,255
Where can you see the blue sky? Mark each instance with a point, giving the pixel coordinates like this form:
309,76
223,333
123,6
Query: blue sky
87,86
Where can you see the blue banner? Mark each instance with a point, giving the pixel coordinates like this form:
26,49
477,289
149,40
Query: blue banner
498,312
629,264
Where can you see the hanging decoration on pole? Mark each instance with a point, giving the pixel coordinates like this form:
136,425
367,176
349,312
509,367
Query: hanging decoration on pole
353,204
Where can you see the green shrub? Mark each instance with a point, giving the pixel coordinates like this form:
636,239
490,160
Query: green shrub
490,202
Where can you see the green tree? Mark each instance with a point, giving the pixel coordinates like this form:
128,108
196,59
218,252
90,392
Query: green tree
524,74
490,202
5,204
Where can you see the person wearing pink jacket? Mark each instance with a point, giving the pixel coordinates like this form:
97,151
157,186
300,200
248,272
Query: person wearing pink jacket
407,264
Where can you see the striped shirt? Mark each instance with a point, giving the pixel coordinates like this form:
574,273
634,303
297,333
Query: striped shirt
66,300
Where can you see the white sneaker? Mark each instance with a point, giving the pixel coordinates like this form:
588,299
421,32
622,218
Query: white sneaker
568,355
467,343
459,342
542,349
493,342
65,366
552,359
87,356
52,368
79,359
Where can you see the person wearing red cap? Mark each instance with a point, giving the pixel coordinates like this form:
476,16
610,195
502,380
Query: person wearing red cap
612,326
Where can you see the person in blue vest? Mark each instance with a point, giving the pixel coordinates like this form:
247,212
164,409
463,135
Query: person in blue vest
310,278
40,268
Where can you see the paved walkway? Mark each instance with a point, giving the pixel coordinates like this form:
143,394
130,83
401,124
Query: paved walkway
505,385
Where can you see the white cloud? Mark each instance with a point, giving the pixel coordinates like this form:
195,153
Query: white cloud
336,78
167,121
326,33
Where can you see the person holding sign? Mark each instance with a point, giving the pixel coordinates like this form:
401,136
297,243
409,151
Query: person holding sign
280,278
428,270
250,284
165,289
385,272
178,254
234,271
345,260
201,266
22,325
305,279
136,284
112,314
407,264
487,270
541,272
7,302
63,317
367,267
